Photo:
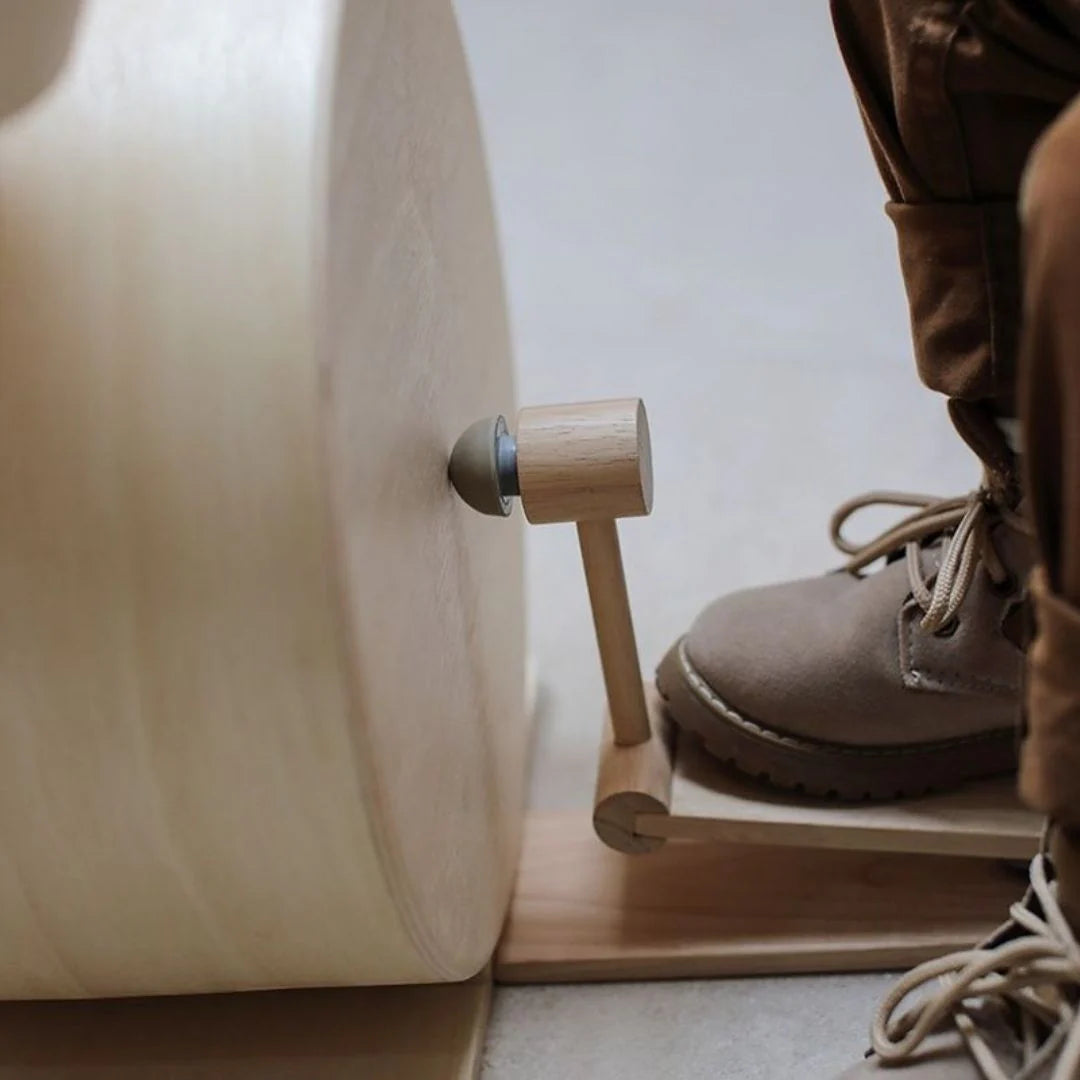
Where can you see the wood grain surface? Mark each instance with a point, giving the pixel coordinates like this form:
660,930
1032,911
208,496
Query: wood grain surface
261,674
589,461
584,912
371,1033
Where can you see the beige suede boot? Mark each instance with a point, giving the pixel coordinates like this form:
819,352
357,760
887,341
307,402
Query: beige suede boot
1005,1011
874,683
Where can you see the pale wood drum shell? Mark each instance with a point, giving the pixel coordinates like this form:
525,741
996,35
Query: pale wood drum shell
261,674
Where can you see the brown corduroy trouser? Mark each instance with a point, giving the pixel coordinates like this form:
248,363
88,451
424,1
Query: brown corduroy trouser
967,106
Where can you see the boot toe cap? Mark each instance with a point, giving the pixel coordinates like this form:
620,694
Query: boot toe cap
773,654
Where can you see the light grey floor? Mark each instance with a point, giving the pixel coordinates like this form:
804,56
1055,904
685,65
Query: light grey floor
689,213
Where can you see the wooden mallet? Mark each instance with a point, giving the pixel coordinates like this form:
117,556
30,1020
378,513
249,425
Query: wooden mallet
590,464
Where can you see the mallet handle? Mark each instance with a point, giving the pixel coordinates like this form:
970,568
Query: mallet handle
602,558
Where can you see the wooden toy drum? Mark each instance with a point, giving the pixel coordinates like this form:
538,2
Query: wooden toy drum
261,680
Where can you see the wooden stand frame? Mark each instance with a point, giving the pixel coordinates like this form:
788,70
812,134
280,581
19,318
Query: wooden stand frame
701,873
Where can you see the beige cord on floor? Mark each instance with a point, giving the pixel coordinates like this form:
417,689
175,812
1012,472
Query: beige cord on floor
1038,973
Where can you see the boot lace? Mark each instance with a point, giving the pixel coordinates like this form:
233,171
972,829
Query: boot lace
967,519
1034,973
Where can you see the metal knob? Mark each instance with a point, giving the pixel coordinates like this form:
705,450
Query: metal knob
483,467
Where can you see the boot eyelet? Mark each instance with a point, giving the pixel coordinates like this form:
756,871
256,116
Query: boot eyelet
948,629
1004,588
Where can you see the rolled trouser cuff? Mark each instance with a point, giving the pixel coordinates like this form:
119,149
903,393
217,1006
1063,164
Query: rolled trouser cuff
960,263
1050,756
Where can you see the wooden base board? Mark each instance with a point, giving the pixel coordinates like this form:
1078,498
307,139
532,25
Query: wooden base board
710,802
584,912
378,1033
